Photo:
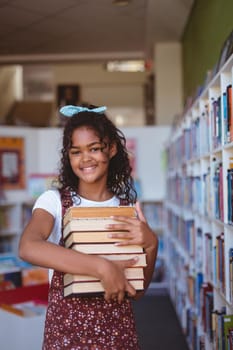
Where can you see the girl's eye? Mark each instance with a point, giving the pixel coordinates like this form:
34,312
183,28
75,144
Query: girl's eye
95,149
74,152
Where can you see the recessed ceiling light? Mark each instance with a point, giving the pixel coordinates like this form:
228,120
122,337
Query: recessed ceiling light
126,66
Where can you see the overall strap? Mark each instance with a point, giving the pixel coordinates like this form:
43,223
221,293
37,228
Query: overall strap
124,202
66,202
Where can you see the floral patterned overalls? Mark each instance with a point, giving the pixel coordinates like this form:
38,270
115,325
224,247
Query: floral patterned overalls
87,323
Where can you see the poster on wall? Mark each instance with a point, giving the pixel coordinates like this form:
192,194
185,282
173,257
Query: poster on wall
12,172
67,95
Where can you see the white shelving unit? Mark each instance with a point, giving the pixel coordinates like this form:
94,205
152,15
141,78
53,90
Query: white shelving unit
13,217
199,213
154,212
10,225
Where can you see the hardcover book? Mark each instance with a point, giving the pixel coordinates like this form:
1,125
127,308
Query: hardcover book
76,213
130,273
106,248
141,262
94,287
90,237
87,224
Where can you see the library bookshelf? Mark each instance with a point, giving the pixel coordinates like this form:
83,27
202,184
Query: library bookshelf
198,215
154,213
13,217
23,287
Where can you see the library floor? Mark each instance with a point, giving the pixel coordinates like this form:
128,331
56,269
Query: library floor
157,323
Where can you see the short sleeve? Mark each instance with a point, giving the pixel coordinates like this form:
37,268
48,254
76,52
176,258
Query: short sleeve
51,202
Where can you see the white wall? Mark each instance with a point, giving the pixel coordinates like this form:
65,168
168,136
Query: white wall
151,141
10,88
42,146
168,82
116,90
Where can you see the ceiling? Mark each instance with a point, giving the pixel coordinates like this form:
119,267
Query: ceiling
51,30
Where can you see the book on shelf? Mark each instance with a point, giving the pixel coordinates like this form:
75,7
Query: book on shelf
8,262
10,280
85,231
230,110
208,256
228,327
230,339
220,262
32,275
26,309
206,305
17,273
95,287
10,272
230,262
153,212
218,328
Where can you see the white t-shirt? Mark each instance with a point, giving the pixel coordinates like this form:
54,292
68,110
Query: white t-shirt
51,202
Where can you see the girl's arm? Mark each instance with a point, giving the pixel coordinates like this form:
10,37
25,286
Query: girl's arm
35,249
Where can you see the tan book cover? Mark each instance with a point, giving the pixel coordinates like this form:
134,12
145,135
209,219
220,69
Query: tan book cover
141,262
95,287
91,237
130,273
76,213
87,224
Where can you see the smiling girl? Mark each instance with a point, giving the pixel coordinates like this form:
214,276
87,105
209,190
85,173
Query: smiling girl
94,171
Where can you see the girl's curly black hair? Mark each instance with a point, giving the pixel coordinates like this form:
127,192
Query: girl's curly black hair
119,181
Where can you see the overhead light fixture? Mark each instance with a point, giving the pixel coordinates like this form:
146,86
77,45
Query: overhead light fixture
126,66
121,2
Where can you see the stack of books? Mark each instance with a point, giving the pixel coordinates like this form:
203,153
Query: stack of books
84,230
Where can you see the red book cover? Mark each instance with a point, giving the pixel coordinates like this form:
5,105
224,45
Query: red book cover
229,109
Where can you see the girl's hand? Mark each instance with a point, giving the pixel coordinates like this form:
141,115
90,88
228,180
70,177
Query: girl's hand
137,230
114,281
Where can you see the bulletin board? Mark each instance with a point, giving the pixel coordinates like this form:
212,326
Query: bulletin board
12,169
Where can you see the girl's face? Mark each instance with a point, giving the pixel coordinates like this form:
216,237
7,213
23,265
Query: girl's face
89,158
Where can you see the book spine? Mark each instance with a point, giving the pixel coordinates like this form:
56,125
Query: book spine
130,273
106,248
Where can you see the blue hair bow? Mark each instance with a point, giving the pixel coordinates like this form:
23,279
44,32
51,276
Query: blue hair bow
69,110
